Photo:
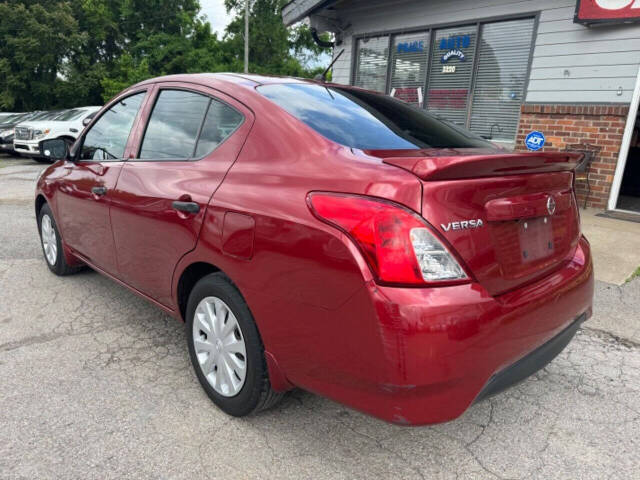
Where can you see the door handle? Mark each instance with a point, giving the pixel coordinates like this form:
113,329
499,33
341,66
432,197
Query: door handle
189,207
100,191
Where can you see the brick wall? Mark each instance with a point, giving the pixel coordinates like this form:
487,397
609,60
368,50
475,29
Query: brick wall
564,125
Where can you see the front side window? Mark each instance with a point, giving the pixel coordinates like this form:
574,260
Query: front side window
108,137
368,121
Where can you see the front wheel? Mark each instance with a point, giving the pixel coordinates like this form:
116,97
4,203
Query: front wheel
52,243
42,160
225,348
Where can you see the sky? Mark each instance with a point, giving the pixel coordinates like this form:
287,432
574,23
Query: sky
216,14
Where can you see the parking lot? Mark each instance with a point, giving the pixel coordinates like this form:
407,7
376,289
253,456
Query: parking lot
96,383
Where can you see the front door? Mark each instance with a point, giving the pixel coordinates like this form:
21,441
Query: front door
89,180
192,137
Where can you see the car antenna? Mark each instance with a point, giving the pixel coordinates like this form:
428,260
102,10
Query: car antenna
323,76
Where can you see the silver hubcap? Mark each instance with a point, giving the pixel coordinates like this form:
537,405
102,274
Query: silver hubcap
49,243
219,346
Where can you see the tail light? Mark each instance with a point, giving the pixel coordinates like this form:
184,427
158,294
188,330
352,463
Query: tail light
399,246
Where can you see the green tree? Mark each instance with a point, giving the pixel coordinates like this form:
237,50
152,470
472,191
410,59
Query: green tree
82,52
35,39
129,40
273,48
127,72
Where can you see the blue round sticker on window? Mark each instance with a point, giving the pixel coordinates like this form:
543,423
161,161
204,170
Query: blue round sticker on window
534,141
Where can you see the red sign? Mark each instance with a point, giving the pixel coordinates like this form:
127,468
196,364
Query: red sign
607,11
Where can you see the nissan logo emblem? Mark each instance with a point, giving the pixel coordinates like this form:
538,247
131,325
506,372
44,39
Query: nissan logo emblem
551,205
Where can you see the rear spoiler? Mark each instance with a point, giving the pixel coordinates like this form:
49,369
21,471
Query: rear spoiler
491,165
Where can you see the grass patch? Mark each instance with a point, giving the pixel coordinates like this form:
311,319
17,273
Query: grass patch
635,274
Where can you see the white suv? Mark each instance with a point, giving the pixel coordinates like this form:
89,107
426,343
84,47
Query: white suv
68,126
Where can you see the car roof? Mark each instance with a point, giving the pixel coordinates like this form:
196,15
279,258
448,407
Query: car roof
249,80
228,83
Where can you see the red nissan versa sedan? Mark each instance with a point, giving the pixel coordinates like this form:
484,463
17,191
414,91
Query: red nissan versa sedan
324,237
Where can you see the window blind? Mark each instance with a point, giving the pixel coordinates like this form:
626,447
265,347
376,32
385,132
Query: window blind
371,67
503,59
450,76
409,67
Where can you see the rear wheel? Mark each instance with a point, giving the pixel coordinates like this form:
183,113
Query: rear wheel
52,243
225,348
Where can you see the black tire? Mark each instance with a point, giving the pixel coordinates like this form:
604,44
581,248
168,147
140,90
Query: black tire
42,160
256,394
60,266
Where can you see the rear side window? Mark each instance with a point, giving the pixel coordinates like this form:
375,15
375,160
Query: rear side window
185,125
221,121
368,121
174,125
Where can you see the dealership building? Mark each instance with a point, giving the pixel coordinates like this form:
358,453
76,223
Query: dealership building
568,69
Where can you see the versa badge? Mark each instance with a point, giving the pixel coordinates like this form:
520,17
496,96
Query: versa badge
462,225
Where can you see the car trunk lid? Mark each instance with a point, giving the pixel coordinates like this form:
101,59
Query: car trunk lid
512,218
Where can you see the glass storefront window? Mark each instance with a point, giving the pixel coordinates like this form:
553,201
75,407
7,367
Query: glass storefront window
503,60
479,86
451,69
372,60
409,67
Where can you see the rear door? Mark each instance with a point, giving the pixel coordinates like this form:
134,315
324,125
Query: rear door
190,138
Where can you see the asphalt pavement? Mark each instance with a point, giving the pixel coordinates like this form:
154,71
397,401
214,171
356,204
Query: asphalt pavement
96,383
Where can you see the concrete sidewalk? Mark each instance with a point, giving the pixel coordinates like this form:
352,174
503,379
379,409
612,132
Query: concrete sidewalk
615,246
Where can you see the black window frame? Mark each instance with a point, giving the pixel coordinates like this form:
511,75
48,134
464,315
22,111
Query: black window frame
75,155
204,119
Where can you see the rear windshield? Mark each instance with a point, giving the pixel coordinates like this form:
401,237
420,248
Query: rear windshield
9,118
45,116
368,121
21,117
69,115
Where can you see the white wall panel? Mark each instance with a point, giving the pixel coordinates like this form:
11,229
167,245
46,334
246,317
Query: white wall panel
599,71
609,54
559,96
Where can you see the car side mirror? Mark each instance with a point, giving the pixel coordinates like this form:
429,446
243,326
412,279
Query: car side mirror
86,121
54,149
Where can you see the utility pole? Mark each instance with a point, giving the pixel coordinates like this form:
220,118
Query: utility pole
246,36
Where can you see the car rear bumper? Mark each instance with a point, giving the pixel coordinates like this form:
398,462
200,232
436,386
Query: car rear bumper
442,349
532,362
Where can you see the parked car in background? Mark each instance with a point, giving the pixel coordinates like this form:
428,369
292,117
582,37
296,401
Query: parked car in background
67,125
5,115
46,115
324,237
7,127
